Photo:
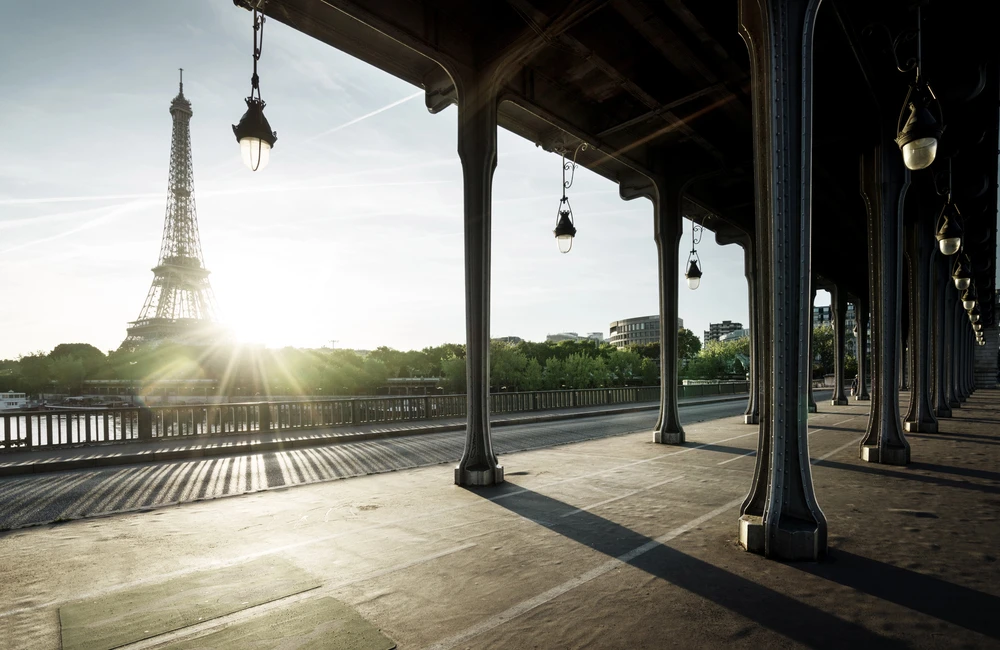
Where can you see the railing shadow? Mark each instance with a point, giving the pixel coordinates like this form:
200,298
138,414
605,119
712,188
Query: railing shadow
767,607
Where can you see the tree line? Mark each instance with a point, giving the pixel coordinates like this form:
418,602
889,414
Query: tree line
250,370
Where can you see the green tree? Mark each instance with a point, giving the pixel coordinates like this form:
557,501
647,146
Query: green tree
688,345
554,374
850,366
453,374
507,367
646,350
625,368
649,373
533,376
720,360
33,373
822,351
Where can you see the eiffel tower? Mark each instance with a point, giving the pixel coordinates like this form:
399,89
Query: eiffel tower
180,306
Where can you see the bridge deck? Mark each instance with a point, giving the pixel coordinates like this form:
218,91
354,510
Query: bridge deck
608,543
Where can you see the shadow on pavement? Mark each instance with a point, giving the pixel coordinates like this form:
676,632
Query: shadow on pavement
783,614
921,478
968,608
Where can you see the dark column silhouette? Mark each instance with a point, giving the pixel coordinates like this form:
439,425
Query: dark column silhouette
477,149
861,322
884,181
942,284
919,249
780,516
838,307
809,351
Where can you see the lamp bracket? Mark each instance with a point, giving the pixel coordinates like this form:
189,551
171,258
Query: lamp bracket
570,166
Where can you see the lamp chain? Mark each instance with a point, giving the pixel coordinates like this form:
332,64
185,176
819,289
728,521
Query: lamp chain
258,44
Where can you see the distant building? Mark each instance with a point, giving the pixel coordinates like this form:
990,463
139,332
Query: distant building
735,335
513,340
573,336
716,331
637,331
824,316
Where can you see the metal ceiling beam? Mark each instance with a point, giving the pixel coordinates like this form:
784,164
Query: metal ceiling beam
586,53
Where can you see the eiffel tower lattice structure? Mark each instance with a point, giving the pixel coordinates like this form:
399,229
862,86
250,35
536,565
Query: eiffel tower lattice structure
180,306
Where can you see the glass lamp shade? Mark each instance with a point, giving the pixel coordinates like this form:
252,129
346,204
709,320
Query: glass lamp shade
978,327
920,153
949,232
693,275
961,272
973,316
255,135
565,231
255,152
969,298
950,246
918,139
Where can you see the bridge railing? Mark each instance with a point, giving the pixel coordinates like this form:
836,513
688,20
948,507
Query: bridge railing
28,430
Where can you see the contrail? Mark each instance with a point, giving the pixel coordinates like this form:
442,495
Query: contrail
72,199
205,193
46,218
110,216
367,115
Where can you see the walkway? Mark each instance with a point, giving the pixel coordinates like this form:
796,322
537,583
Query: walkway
609,543
48,460
62,496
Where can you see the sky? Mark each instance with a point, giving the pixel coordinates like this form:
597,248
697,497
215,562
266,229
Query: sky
352,234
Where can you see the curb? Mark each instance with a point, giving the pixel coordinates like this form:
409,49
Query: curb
233,445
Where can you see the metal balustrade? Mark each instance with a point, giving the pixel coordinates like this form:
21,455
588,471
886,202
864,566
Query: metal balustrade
28,430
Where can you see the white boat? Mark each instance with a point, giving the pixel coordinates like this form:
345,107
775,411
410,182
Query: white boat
11,401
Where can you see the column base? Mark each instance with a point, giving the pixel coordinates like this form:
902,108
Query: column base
813,409
894,456
668,437
954,404
478,477
920,427
840,401
751,419
865,397
795,540
752,533
942,412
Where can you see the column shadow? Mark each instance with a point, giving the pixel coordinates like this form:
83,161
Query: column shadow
726,449
974,436
968,608
920,478
954,437
959,471
767,607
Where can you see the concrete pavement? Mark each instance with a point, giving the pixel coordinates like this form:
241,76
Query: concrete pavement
614,542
